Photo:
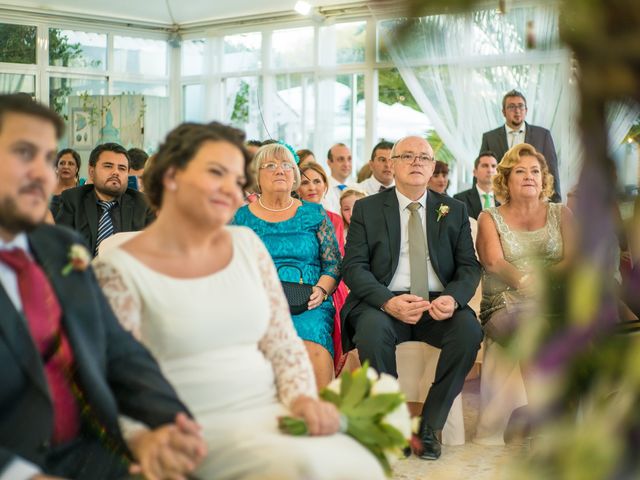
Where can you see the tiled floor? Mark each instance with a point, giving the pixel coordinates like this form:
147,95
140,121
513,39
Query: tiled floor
469,461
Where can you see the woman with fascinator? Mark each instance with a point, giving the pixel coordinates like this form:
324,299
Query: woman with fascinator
302,243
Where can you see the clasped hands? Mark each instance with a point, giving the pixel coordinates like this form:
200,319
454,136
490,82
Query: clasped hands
409,308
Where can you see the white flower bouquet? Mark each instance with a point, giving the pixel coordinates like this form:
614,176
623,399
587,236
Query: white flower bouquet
373,411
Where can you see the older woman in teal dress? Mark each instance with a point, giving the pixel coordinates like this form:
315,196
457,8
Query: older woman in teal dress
301,240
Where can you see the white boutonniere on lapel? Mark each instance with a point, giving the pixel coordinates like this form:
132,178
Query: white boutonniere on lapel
79,259
442,211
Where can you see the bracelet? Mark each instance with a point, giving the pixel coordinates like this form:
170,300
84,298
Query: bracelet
326,295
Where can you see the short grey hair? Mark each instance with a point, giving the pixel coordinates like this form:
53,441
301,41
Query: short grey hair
395,145
270,152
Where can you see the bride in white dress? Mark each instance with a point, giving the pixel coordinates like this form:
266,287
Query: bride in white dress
206,300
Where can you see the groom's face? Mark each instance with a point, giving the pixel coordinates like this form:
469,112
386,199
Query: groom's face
27,171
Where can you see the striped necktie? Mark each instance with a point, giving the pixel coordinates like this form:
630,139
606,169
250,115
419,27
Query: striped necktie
105,224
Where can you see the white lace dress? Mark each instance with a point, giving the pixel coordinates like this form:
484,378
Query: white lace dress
227,344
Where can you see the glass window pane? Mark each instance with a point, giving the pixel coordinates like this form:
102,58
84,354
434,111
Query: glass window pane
342,116
17,43
294,109
193,103
156,89
193,56
241,108
68,48
343,43
61,88
17,82
292,47
242,52
140,55
397,112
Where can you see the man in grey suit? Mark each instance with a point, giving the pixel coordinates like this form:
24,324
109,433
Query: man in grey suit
516,130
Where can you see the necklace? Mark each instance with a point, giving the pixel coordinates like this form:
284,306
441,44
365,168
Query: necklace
275,209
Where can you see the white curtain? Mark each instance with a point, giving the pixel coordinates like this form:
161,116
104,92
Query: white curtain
458,67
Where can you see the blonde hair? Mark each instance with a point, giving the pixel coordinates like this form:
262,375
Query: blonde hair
510,160
348,192
270,152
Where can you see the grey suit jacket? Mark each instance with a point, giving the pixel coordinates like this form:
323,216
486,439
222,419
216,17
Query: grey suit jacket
496,141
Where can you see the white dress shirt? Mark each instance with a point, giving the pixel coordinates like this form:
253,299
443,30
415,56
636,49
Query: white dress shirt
18,468
331,201
401,281
515,138
492,198
371,185
8,277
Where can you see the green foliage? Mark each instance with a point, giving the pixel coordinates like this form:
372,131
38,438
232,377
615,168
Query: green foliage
440,150
17,43
240,114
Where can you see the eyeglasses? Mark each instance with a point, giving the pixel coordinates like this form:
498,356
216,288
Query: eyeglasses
272,166
520,106
411,158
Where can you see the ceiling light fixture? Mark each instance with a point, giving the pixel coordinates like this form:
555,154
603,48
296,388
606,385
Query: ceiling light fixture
302,7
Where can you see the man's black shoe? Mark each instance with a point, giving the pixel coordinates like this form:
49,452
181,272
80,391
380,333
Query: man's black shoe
431,448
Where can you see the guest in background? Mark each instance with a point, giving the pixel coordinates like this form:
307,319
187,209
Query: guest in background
252,146
205,298
67,173
137,160
302,243
480,195
106,206
381,172
313,187
347,201
439,181
516,131
305,156
340,163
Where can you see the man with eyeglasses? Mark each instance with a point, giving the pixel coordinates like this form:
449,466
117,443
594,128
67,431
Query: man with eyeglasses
381,173
411,268
340,163
516,131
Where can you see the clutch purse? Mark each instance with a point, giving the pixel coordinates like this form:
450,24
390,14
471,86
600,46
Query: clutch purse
297,293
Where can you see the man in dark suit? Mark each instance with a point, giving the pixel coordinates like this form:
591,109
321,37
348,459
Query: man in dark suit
480,195
68,367
107,206
516,130
405,287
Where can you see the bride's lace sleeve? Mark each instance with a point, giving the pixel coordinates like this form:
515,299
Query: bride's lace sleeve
329,249
124,300
281,344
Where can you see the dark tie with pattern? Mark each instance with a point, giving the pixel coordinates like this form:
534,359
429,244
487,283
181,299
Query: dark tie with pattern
418,253
43,314
105,224
382,188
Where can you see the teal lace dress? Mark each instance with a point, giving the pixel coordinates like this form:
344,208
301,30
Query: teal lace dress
306,241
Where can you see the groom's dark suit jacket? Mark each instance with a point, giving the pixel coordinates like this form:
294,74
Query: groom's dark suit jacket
115,373
79,210
373,250
496,141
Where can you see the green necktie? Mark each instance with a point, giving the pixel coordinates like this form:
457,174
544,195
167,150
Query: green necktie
487,200
418,253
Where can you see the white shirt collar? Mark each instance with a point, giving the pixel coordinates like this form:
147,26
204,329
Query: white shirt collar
19,241
334,183
517,130
405,201
482,192
374,181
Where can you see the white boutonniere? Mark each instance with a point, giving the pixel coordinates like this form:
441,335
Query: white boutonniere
79,259
442,211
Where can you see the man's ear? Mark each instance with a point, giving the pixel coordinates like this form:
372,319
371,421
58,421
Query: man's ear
91,172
